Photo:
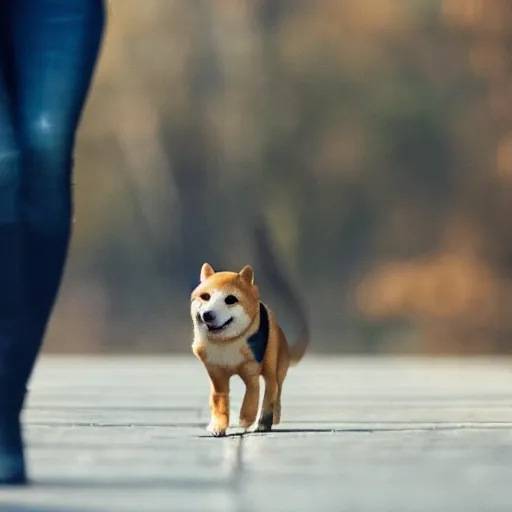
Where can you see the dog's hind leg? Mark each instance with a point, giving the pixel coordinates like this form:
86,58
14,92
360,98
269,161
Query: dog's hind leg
277,406
282,370
283,364
269,399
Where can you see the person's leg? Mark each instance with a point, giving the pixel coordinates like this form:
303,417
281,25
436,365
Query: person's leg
12,468
56,46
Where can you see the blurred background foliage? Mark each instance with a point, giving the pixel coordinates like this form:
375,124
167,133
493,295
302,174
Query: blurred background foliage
374,135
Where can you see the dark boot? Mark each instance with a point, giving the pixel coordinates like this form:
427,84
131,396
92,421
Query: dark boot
12,351
44,261
46,230
12,461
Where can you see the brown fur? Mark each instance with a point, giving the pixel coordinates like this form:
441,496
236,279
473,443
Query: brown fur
224,357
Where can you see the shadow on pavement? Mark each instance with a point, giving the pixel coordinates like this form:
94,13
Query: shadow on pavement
293,431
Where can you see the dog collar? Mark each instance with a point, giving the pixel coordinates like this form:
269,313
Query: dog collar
258,341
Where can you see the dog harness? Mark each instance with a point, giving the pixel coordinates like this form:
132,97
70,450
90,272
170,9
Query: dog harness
258,341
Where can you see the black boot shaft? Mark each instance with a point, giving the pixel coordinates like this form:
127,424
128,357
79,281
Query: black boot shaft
12,382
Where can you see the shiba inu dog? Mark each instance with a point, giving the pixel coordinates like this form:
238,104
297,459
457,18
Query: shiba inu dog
237,334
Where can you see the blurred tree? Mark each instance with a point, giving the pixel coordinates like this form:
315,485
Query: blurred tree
374,135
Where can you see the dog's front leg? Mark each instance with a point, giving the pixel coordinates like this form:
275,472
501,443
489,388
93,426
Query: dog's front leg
219,403
251,378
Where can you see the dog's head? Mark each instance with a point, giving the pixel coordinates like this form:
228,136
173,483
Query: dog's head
224,304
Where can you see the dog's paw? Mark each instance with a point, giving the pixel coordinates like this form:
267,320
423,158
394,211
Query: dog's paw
265,422
216,430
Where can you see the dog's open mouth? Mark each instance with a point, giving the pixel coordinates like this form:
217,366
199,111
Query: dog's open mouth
215,328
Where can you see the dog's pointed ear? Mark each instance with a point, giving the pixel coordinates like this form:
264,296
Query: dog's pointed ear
247,274
206,271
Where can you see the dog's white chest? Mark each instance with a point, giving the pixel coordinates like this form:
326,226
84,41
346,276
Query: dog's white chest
229,355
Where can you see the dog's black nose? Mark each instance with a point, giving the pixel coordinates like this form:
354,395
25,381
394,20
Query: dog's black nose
208,316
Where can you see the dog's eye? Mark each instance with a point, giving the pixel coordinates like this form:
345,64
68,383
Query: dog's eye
230,300
205,296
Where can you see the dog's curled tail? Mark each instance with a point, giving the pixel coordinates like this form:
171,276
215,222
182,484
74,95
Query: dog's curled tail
267,255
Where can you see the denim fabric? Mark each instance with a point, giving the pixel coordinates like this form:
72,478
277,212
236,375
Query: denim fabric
48,51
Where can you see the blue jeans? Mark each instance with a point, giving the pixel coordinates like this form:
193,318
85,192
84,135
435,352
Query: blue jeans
48,52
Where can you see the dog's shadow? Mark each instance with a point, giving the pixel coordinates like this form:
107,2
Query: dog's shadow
255,433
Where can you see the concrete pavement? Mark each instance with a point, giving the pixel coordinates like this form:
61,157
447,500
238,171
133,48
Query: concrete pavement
383,435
